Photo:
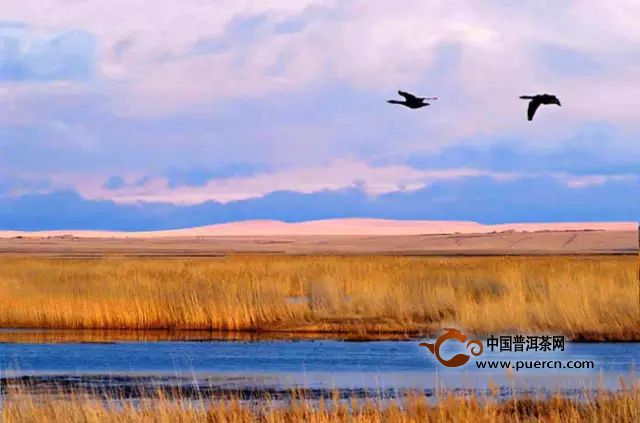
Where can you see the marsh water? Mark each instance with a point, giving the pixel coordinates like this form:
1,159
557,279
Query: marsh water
259,364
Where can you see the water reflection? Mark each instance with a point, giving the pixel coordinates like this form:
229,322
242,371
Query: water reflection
39,336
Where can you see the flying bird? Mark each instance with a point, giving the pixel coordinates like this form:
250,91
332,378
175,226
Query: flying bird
411,101
536,100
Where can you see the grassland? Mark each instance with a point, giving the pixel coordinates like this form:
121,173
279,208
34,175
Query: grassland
623,406
585,298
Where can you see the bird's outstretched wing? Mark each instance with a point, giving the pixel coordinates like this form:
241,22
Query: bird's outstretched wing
533,106
407,96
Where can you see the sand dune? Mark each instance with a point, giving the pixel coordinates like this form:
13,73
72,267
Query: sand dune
335,227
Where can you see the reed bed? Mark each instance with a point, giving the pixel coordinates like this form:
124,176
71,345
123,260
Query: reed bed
623,406
585,298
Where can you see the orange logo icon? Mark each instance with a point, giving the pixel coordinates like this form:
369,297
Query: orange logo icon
459,359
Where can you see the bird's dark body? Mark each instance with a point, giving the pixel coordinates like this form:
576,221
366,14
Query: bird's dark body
536,100
411,101
409,105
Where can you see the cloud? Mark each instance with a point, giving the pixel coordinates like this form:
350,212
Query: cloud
13,186
226,185
30,55
480,199
371,45
592,149
225,100
341,174
592,180
567,61
177,177
114,183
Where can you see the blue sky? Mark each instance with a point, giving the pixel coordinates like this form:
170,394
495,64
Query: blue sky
116,116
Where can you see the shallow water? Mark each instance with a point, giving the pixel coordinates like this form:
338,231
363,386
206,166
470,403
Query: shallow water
274,365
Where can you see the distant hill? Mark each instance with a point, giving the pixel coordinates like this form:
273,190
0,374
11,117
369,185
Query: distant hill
352,226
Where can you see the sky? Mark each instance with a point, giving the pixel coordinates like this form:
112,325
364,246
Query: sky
138,115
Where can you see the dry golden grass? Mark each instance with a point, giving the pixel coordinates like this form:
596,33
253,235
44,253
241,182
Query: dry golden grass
77,407
581,297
